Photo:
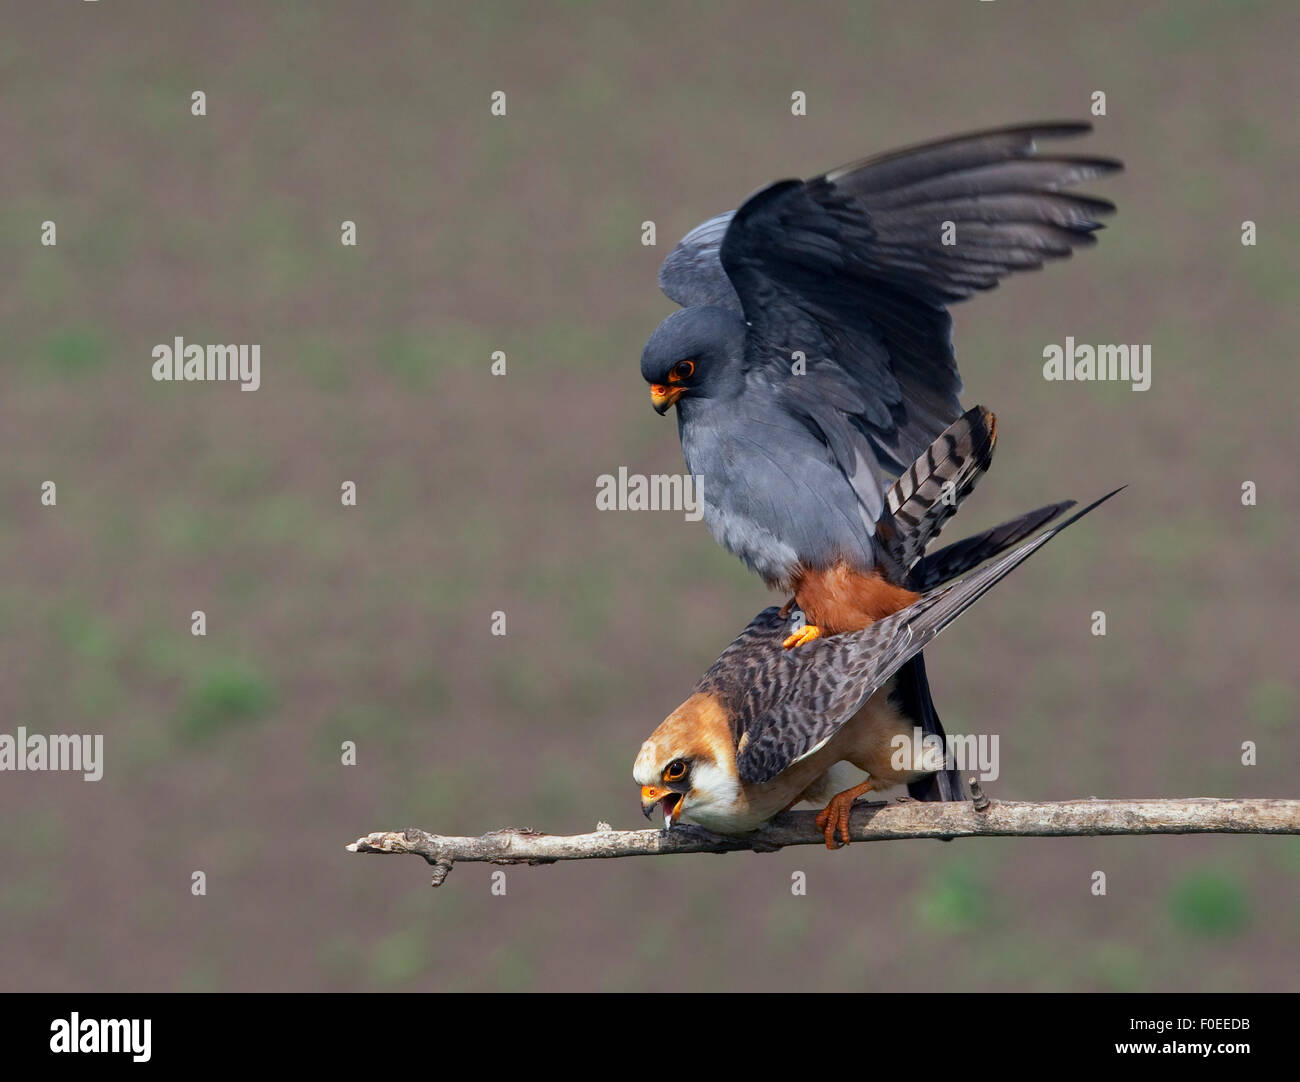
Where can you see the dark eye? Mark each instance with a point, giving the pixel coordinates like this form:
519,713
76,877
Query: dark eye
682,370
676,770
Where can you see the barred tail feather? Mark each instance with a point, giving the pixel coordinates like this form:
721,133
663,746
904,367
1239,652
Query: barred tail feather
929,492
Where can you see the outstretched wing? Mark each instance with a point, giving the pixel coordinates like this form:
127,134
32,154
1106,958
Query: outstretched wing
814,689
853,269
693,274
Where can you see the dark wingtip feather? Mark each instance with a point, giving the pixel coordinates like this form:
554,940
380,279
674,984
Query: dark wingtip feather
949,602
955,560
1091,507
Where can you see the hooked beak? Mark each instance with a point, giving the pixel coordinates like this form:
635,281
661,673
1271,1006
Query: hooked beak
662,397
652,795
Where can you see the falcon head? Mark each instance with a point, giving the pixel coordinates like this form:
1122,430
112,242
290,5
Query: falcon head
696,352
688,766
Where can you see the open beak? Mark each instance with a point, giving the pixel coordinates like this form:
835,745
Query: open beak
662,397
654,795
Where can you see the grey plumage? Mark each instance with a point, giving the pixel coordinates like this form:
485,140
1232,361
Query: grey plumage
816,319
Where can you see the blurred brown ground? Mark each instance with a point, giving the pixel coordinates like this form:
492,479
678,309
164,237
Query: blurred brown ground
477,493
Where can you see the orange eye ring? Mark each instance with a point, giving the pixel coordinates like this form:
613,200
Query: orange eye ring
681,370
675,771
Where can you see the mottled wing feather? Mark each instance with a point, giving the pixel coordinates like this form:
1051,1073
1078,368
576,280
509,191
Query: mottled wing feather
813,690
819,687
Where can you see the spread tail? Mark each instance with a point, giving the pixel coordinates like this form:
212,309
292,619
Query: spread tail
929,492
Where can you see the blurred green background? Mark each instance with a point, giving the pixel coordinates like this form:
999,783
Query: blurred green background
476,493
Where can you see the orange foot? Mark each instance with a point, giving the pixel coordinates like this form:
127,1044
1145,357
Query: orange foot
836,814
804,635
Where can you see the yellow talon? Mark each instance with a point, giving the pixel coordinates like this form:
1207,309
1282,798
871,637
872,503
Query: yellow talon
805,634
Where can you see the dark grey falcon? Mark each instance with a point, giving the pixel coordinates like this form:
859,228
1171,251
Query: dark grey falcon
812,359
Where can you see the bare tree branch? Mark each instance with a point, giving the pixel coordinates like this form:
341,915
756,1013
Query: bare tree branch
870,823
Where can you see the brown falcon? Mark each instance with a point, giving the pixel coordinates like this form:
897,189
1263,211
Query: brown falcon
767,728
